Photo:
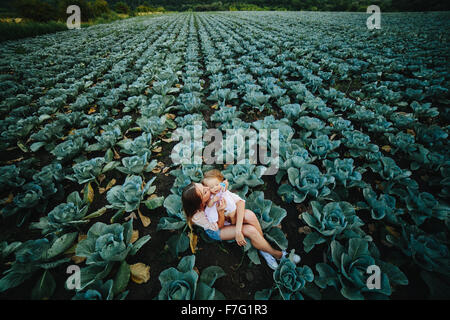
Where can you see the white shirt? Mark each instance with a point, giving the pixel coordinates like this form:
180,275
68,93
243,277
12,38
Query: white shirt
208,219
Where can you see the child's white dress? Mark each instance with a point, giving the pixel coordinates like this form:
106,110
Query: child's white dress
230,199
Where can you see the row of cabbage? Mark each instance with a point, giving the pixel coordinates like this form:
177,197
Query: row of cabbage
255,63
121,89
326,162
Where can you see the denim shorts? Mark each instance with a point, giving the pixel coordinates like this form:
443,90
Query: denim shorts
215,235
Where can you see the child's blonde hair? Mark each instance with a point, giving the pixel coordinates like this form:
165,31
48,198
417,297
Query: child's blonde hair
214,173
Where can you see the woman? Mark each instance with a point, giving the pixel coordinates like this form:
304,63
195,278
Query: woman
195,197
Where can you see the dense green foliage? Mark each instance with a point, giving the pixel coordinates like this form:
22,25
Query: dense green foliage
46,10
48,16
88,119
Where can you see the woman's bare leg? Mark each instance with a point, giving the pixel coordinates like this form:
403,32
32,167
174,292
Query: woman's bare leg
257,240
250,218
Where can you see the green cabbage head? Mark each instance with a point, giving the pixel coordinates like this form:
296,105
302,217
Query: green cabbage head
304,181
106,243
129,195
290,279
349,271
330,221
183,283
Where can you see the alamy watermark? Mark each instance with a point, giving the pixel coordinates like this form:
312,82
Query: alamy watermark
240,146
374,281
74,20
73,282
374,21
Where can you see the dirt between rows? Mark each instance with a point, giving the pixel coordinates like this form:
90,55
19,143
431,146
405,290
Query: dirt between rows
243,278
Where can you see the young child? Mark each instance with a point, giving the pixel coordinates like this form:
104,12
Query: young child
218,186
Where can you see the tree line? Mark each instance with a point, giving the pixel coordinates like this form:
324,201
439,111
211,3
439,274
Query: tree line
47,10
54,10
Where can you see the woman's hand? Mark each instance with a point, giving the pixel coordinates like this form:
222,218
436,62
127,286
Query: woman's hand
240,239
221,205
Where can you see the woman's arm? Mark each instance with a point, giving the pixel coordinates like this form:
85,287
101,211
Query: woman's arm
240,209
221,211
240,212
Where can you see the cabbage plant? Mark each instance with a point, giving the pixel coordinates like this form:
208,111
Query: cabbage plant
431,136
138,146
241,177
69,149
391,173
25,203
106,140
137,165
423,205
402,120
429,252
344,172
128,197
87,171
223,95
293,111
154,125
189,103
348,271
310,124
106,246
381,207
424,110
322,147
190,119
256,99
184,283
292,154
334,220
358,143
98,290
133,103
175,221
10,177
49,179
285,131
290,283
225,114
345,103
184,175
20,129
402,141
34,256
380,125
64,216
46,136
339,124
361,114
291,280
123,124
304,181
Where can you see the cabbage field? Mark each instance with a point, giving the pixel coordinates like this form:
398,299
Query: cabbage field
90,197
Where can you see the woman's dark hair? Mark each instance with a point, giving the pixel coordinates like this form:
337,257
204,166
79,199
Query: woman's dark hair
191,201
